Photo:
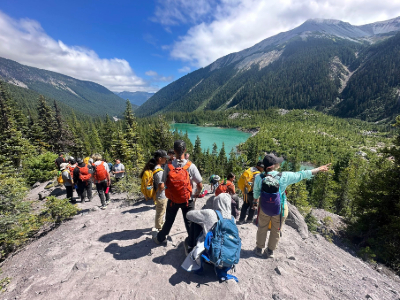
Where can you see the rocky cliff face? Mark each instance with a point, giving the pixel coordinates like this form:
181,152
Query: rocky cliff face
110,255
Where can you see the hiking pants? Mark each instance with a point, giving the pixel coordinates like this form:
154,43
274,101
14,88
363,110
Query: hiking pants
70,193
85,189
101,189
161,206
170,215
247,205
276,222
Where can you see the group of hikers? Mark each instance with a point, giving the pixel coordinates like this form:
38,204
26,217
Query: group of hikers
174,182
79,174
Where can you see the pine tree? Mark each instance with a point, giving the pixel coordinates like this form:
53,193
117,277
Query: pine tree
134,153
197,154
46,122
160,135
63,137
95,142
297,194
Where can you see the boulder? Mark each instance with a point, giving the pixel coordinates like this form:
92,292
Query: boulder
296,220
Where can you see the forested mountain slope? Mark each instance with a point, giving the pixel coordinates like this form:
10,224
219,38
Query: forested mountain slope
83,96
316,65
136,98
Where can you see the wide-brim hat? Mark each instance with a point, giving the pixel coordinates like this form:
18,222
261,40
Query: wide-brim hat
63,166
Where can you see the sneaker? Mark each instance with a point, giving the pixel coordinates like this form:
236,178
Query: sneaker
103,207
258,251
269,253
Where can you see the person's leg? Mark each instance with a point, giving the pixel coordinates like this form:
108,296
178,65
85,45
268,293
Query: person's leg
161,206
250,200
263,221
170,215
69,193
194,232
276,226
243,211
89,191
100,191
185,210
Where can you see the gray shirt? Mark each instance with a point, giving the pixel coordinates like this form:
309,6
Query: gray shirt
157,179
66,176
118,168
194,173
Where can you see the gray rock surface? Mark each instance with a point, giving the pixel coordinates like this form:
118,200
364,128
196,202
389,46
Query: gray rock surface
114,257
296,221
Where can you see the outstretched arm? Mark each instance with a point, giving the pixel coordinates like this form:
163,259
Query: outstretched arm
323,168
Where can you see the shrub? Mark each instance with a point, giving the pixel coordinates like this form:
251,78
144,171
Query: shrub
59,210
327,221
39,168
129,185
311,221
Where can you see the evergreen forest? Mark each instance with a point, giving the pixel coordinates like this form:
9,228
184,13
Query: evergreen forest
362,185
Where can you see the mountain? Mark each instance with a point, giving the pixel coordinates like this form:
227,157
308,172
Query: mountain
83,96
136,98
321,64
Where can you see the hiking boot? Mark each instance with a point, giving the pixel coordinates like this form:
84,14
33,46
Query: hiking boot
155,239
269,253
258,251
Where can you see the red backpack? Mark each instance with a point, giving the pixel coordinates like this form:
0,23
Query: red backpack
222,188
84,174
100,172
179,188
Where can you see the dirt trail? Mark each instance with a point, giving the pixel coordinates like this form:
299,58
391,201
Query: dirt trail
110,255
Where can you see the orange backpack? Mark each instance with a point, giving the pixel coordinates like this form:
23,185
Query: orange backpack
84,174
222,188
71,170
179,188
100,172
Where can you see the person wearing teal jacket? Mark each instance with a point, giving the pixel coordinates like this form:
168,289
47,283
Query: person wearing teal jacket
283,180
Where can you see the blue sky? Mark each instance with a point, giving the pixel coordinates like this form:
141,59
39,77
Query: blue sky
144,45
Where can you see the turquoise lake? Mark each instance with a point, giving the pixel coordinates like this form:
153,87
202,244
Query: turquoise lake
210,135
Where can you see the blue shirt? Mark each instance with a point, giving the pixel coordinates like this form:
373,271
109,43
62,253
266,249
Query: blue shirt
287,179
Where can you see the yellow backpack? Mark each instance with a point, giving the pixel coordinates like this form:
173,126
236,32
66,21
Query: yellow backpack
147,186
86,160
246,182
59,178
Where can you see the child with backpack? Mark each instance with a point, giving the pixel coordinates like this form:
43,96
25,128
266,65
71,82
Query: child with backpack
227,186
214,182
179,177
153,185
101,176
269,195
219,243
245,184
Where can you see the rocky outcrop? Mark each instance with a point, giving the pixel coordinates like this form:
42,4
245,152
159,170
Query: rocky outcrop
296,221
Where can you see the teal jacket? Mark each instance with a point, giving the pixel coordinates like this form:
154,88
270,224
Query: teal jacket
287,179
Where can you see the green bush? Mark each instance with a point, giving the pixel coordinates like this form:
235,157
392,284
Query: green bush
59,210
311,221
39,168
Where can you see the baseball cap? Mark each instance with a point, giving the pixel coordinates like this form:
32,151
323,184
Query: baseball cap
79,160
160,153
271,159
260,164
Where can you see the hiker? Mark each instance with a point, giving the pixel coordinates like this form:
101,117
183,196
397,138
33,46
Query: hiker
204,220
101,178
59,160
269,192
227,186
187,156
118,170
245,184
160,158
68,181
186,174
171,154
214,182
83,174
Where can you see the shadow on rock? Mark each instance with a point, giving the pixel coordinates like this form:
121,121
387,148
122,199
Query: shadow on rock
124,235
247,254
175,258
137,210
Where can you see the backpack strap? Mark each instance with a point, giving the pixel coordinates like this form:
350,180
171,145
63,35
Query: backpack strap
170,166
220,217
187,166
156,171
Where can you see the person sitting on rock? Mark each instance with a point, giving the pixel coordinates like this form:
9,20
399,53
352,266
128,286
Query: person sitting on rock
269,194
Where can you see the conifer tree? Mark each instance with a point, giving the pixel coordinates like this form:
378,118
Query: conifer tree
297,194
95,142
324,190
46,122
106,133
134,153
197,153
160,135
63,137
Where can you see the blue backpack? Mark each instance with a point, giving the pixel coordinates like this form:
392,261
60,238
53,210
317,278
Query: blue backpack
223,245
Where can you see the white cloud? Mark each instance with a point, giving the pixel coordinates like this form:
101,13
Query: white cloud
185,69
234,25
155,77
26,42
